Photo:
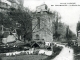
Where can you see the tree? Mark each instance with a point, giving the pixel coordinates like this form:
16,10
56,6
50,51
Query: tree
67,33
62,31
4,20
70,36
56,24
23,18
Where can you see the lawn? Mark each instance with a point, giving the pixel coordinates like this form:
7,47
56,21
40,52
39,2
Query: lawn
25,57
56,51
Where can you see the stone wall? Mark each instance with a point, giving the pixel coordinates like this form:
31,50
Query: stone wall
45,31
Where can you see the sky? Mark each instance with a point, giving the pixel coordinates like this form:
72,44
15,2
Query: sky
70,14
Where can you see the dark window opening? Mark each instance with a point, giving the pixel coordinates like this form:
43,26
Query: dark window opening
38,22
37,36
45,7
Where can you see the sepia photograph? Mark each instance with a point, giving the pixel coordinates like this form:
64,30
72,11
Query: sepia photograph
39,30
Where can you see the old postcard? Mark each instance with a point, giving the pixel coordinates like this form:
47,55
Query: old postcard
39,30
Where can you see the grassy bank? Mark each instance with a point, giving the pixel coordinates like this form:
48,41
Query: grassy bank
26,57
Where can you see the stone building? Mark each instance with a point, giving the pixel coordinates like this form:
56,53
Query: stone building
16,3
4,6
42,24
78,33
42,8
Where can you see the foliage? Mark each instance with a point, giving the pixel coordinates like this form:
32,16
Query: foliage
18,16
78,27
24,19
62,31
5,20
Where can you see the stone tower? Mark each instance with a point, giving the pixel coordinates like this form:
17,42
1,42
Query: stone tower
42,24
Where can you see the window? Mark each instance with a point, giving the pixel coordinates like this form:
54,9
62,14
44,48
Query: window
37,36
38,22
46,7
49,19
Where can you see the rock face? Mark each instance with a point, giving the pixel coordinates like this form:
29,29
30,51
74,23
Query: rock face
42,24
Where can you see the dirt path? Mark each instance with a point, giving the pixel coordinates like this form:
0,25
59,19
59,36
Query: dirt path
65,54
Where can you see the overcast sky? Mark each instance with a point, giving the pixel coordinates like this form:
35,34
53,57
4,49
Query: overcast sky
70,14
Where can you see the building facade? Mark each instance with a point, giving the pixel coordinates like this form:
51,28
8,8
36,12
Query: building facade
16,3
42,24
4,6
42,8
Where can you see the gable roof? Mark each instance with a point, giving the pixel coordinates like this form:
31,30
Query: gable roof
35,45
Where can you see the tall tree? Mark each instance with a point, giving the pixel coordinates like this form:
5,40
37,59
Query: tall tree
23,18
56,24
